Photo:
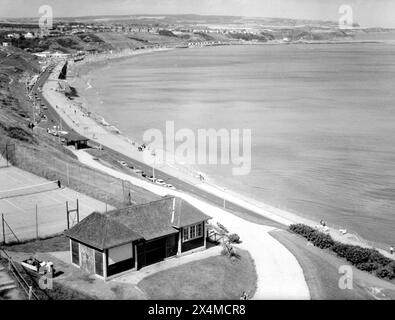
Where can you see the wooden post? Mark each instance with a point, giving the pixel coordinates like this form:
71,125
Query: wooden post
3,227
123,190
6,152
78,212
68,174
205,234
67,209
180,235
36,221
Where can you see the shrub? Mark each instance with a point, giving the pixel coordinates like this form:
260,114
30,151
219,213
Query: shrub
234,238
319,239
368,266
341,249
323,241
385,273
365,259
301,229
392,266
357,255
379,258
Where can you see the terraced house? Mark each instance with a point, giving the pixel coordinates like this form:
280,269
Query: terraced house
131,238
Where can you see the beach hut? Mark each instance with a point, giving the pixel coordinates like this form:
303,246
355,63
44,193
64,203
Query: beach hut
76,140
131,238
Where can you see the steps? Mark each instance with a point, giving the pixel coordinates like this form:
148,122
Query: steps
6,282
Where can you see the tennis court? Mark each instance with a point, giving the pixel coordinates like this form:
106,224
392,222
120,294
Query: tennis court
32,205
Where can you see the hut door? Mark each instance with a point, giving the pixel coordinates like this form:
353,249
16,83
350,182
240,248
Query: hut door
87,259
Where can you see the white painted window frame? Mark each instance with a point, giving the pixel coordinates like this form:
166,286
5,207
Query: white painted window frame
189,232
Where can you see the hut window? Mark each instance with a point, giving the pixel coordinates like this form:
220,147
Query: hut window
193,232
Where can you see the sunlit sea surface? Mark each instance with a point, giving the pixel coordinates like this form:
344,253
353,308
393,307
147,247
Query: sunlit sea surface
322,120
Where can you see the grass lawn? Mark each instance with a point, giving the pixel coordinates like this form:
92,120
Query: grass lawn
50,244
212,278
321,270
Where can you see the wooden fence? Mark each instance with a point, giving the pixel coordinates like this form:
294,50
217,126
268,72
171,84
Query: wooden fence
27,288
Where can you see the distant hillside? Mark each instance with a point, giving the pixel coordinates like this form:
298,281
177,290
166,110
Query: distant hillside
66,44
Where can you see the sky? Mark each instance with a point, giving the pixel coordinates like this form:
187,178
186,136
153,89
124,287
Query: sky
368,13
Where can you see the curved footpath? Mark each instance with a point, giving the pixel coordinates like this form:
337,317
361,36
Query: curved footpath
279,273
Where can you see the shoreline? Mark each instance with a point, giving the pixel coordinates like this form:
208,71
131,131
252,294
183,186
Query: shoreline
121,143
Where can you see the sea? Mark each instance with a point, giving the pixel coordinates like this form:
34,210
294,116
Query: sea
322,120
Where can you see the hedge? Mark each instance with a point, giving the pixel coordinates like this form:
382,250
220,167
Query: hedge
365,259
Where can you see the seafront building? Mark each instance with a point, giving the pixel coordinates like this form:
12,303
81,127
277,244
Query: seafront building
131,238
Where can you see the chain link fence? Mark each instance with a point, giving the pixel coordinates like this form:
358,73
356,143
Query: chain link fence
38,221
61,166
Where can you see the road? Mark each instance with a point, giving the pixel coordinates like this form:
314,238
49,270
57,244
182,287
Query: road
55,119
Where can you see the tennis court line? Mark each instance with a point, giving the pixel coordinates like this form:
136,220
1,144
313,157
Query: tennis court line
8,176
14,205
82,203
27,177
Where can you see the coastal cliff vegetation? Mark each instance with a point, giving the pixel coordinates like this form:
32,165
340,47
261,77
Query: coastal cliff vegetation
34,150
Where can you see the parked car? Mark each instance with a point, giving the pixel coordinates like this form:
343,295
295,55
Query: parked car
137,171
143,174
123,163
130,167
160,182
151,178
170,186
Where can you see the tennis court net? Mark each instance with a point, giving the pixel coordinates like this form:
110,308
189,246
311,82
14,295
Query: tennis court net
29,190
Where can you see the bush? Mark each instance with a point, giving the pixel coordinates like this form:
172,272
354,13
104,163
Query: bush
323,241
379,258
301,229
234,238
357,255
341,249
365,259
385,273
392,266
319,239
368,266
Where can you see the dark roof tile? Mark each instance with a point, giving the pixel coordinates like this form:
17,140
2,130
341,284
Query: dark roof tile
147,221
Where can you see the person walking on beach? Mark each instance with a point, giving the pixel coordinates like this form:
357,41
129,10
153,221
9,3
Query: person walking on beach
59,184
